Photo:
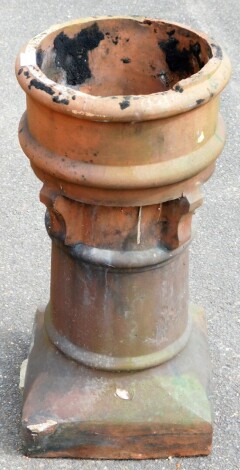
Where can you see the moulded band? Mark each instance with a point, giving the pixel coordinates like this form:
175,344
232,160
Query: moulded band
114,259
124,177
104,362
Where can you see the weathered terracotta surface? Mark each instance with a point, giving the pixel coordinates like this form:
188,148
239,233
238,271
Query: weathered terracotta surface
122,126
76,411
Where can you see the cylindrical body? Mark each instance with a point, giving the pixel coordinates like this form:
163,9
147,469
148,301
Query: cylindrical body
122,138
118,318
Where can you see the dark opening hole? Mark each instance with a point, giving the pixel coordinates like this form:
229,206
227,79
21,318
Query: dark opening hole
123,57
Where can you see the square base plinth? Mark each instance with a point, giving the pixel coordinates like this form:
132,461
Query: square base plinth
70,410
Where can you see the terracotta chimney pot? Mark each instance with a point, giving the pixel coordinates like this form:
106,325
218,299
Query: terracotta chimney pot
122,127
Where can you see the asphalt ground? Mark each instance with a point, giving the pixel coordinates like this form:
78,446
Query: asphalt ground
25,247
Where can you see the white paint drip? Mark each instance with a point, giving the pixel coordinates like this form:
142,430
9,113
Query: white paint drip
23,370
123,394
139,226
201,137
38,428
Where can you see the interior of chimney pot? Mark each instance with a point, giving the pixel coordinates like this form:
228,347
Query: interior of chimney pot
122,56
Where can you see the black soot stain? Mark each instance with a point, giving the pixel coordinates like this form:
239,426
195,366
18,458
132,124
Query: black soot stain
178,88
180,60
56,99
218,51
171,33
126,60
147,22
72,53
115,40
196,51
39,57
40,86
200,101
125,103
